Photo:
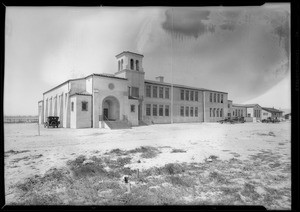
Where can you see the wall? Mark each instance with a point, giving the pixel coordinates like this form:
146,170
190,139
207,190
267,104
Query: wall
102,91
63,110
73,116
83,118
265,114
133,116
238,111
216,105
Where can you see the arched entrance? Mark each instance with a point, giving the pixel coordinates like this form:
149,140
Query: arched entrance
111,108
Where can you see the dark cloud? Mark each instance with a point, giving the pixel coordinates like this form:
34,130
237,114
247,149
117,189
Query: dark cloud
187,22
228,26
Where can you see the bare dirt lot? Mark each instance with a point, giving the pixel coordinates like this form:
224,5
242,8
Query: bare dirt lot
192,163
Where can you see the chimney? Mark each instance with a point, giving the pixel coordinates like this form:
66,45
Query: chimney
160,78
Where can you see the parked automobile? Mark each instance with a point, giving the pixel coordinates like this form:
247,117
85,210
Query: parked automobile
233,120
270,120
52,121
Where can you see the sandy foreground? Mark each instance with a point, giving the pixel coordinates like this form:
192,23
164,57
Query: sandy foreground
54,147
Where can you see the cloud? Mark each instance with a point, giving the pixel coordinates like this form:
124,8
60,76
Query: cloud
187,22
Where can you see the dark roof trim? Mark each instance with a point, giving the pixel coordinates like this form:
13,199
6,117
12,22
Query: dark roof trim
104,75
181,86
124,52
272,110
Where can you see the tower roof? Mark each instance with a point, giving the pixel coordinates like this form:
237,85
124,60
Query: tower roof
128,52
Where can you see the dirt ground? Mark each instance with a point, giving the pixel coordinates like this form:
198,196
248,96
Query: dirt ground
28,154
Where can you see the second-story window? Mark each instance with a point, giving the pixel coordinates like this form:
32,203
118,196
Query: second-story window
148,90
167,96
187,95
161,92
221,98
154,92
196,96
210,97
215,97
218,97
192,96
182,94
135,92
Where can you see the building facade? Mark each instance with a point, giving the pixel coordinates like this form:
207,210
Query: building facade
126,96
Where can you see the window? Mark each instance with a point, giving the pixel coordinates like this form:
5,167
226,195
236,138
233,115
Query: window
228,105
218,112
154,112
148,110
249,115
154,92
131,64
161,110
236,112
218,97
72,106
186,111
66,99
192,96
187,95
210,112
215,97
122,64
210,97
232,113
84,106
221,112
221,98
167,110
214,112
167,93
192,111
135,92
196,96
119,65
148,90
137,65
132,108
196,111
181,111
161,92
182,94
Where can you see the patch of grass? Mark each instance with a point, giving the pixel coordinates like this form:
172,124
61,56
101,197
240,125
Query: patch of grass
172,168
179,181
249,191
177,151
27,158
117,152
213,157
13,152
218,177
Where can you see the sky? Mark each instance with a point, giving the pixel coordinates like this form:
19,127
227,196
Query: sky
244,51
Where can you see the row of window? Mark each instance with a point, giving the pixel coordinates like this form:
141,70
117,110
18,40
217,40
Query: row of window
161,110
216,97
215,112
257,113
237,112
84,106
137,67
189,95
188,111
157,92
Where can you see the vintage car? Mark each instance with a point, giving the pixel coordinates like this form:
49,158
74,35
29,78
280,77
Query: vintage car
52,121
270,120
232,120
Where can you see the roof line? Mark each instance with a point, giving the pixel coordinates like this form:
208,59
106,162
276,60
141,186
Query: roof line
183,86
128,52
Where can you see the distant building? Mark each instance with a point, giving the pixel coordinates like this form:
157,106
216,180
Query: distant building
287,116
127,97
272,112
251,112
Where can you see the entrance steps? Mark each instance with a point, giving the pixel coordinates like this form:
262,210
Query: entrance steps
118,124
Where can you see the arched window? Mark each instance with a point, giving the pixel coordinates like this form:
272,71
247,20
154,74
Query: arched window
131,64
137,65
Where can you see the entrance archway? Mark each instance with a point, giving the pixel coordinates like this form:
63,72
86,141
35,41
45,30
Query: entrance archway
111,108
